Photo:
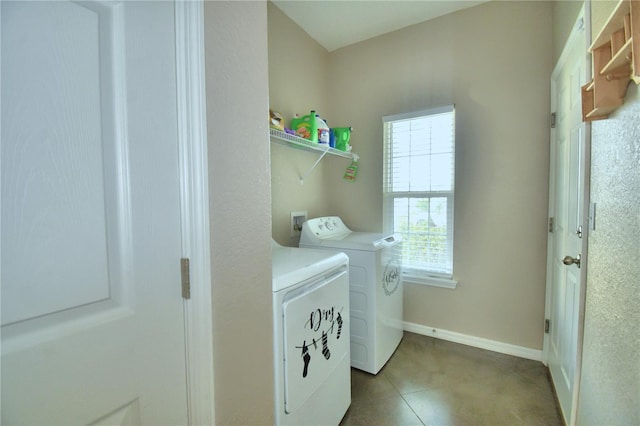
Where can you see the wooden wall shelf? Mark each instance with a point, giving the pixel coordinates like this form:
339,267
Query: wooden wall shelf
616,61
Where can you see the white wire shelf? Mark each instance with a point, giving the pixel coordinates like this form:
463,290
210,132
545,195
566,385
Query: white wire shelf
286,139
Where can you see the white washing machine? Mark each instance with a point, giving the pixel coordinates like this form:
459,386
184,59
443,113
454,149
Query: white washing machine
376,289
311,336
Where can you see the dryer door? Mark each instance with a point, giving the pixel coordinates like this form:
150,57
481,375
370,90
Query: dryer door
316,335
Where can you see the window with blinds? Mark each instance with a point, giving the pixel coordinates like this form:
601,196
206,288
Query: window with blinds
418,193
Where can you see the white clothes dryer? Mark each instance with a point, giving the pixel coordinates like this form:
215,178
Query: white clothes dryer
375,287
311,336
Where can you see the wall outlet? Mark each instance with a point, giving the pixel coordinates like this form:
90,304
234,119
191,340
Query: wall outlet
297,219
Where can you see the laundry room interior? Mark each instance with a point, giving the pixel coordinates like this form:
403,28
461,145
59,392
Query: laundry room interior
501,158
492,61
496,71
174,251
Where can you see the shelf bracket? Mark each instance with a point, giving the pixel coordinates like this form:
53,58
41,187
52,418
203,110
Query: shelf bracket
314,165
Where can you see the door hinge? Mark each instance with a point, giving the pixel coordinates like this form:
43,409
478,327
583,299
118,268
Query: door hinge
547,325
553,120
551,224
186,282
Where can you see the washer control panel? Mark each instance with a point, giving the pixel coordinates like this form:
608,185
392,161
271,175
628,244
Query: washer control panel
390,240
327,227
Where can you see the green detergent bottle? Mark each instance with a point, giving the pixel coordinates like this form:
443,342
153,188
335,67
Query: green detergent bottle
343,135
306,126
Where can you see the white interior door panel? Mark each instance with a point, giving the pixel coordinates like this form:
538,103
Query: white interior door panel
92,314
567,239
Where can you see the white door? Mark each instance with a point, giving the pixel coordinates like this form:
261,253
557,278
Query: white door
568,225
92,314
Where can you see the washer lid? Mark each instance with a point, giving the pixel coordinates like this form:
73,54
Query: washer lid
292,265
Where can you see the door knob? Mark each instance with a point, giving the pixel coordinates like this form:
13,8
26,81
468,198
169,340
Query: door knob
568,260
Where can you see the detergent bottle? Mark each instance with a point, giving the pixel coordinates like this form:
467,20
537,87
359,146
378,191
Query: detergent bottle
342,136
306,126
323,131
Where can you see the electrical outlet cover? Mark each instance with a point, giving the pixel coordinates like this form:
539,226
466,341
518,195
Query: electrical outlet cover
295,225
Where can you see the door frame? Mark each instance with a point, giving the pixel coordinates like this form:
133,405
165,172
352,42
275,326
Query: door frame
194,207
583,20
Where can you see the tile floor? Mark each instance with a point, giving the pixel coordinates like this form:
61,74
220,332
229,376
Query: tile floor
434,382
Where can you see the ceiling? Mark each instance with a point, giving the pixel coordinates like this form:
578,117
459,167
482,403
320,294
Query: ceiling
338,23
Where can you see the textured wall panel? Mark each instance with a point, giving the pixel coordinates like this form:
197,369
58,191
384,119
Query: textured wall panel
610,388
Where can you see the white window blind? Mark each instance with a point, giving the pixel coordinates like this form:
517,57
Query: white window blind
418,192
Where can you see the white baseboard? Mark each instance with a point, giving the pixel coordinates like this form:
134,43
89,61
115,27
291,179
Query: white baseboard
477,342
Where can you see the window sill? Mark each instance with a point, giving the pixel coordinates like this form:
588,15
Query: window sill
449,283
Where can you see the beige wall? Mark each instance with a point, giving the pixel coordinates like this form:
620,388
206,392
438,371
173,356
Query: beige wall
240,206
564,16
610,380
298,68
493,62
